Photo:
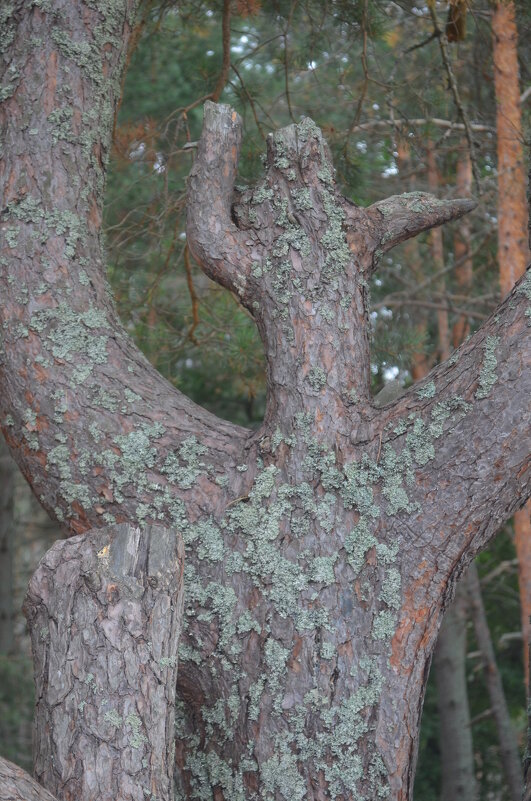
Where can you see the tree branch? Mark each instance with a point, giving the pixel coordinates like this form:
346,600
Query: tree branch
402,216
212,236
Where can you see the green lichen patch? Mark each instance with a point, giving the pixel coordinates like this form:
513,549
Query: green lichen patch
487,375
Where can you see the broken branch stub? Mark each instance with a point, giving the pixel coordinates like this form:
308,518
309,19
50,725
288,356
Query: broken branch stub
104,611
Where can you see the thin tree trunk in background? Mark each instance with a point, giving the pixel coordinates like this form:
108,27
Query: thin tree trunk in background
463,270
420,363
437,256
513,252
508,745
106,664
7,483
17,785
455,734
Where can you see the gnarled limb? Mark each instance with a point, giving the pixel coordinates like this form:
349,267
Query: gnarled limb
105,611
404,216
89,421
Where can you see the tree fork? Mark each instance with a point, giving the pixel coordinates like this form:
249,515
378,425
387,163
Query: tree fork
104,611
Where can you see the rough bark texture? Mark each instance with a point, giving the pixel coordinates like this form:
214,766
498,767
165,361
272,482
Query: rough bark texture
513,252
104,610
17,785
7,531
455,737
510,757
322,549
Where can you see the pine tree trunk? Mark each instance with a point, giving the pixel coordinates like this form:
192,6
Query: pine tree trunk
510,757
455,735
513,251
104,610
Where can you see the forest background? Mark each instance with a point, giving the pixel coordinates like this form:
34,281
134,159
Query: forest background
403,108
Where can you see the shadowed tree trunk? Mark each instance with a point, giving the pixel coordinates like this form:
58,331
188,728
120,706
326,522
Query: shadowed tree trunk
322,549
513,253
7,486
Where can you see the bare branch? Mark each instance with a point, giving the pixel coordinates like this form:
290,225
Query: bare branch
404,216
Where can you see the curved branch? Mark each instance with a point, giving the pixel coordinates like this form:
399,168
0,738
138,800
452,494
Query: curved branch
465,434
212,236
98,432
401,217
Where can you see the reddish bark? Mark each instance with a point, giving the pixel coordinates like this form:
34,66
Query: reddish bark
513,252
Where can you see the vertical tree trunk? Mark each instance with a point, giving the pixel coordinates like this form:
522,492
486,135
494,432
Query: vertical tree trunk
437,255
513,252
104,610
455,737
7,470
508,746
420,363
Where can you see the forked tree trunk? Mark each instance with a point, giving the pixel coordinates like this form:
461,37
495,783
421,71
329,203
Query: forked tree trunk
105,610
322,549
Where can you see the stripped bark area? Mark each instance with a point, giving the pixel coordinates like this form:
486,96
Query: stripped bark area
104,610
322,549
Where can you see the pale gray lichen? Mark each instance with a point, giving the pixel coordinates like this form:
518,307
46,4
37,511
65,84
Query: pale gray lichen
427,391
487,375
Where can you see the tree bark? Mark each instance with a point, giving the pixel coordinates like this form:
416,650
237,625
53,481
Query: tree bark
105,610
513,251
510,757
455,736
7,486
323,548
17,785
